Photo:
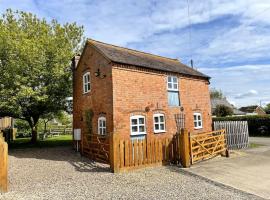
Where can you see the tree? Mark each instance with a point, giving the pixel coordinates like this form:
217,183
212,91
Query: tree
216,94
223,111
35,66
267,108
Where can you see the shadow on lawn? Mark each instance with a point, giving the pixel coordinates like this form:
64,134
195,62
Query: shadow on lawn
62,154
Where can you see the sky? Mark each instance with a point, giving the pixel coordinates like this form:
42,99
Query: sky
227,40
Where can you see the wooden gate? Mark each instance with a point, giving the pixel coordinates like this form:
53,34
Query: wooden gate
207,145
236,133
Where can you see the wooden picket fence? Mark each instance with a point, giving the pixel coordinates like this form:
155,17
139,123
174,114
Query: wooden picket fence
237,135
207,145
3,165
132,154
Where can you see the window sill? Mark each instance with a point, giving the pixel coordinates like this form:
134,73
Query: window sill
159,132
84,93
198,128
137,134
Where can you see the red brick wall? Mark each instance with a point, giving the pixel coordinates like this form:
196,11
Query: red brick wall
127,91
99,99
134,90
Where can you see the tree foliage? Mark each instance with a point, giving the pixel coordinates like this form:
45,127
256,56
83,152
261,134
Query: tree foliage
223,111
267,108
216,94
34,65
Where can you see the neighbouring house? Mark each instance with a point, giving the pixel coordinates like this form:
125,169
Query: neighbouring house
253,110
225,102
135,94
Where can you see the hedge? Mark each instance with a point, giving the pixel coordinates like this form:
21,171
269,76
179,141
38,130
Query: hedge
258,125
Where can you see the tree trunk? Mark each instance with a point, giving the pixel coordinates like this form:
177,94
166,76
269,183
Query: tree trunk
34,135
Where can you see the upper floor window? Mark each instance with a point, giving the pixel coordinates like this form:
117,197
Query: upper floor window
159,123
102,125
173,91
172,83
86,82
137,124
197,120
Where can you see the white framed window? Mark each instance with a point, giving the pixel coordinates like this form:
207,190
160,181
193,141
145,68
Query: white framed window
102,125
173,92
137,125
86,83
172,83
197,120
159,123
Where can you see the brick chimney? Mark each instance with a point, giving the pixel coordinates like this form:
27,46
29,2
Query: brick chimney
75,61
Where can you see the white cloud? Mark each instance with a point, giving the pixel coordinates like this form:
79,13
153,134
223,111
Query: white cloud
247,94
224,33
244,85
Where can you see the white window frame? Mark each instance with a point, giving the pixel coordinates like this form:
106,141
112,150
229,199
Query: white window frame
159,123
86,82
102,130
173,82
197,120
137,117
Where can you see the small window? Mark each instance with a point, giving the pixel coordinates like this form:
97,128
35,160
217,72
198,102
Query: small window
102,125
159,123
173,92
86,83
137,124
172,83
197,120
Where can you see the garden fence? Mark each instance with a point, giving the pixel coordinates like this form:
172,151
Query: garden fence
236,133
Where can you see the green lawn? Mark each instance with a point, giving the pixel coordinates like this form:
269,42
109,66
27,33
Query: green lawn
254,145
62,140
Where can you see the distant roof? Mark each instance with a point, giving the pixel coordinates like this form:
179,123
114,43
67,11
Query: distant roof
249,109
224,101
137,58
253,109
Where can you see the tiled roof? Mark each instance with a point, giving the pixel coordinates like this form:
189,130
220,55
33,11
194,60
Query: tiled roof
137,58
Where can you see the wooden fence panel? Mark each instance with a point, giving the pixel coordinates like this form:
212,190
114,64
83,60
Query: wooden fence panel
133,154
237,135
3,165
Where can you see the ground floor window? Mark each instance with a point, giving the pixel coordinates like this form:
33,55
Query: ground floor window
197,120
102,125
137,124
159,123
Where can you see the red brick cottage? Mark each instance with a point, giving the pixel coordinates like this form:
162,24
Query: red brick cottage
136,94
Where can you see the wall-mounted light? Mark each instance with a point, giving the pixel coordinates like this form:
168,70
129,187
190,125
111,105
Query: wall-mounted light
98,74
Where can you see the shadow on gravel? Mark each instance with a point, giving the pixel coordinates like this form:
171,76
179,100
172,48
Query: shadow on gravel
65,154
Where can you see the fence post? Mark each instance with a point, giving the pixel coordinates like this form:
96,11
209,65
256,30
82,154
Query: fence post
184,148
114,152
3,165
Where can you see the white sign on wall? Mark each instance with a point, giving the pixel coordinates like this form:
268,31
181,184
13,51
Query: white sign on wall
77,134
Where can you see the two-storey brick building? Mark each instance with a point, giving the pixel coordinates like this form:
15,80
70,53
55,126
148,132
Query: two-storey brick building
137,94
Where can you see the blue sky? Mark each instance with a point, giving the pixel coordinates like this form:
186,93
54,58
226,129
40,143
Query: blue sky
230,40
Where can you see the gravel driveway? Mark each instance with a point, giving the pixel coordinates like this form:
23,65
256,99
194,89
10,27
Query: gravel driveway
59,173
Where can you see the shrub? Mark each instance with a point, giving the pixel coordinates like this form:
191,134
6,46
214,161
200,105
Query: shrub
223,111
258,125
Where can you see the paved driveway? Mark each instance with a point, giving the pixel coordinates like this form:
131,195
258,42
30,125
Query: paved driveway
247,170
59,173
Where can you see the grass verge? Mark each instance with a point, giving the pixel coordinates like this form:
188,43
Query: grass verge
62,140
